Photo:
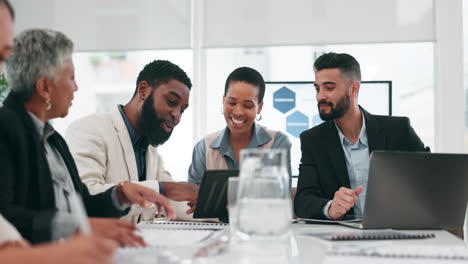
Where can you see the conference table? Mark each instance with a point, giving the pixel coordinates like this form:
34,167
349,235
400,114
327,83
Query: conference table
186,242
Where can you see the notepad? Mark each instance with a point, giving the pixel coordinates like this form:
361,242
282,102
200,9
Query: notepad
180,225
372,235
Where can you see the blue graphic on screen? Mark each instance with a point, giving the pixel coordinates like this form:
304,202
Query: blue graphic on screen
296,123
284,99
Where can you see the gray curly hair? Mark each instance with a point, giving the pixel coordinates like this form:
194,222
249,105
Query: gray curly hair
36,53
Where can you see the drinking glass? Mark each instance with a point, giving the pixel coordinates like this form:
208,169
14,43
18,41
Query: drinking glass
263,202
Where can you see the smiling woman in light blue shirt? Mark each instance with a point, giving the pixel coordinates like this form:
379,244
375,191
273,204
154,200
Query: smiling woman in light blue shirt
242,105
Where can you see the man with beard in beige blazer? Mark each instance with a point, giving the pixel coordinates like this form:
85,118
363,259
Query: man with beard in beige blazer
121,146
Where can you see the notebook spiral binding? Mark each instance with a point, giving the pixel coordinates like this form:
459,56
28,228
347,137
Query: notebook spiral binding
178,225
378,236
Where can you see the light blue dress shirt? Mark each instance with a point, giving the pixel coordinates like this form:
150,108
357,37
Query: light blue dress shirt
259,138
357,163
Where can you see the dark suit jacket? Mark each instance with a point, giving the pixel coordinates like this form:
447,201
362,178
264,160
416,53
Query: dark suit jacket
26,189
323,166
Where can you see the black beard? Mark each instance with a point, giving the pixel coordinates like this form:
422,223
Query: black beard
336,112
150,124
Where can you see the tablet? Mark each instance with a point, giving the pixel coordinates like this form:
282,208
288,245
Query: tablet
212,195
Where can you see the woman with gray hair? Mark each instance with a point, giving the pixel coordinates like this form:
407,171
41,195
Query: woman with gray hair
39,177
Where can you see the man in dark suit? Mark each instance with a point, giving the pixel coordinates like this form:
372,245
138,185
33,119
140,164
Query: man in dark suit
335,155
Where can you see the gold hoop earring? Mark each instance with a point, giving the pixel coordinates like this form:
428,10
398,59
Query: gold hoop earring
259,117
48,105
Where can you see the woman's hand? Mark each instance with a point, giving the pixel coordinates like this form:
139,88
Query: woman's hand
80,249
120,231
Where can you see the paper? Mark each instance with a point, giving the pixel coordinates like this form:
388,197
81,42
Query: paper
165,237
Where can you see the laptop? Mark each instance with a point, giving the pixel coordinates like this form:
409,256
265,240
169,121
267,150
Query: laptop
212,195
415,190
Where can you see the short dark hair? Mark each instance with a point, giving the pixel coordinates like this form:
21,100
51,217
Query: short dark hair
158,72
248,75
9,7
347,64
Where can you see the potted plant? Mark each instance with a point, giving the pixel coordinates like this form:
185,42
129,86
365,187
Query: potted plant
3,88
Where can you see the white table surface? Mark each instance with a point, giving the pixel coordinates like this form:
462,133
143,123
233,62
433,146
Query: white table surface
300,246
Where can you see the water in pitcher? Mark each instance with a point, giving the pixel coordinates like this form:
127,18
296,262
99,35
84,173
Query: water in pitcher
263,203
264,217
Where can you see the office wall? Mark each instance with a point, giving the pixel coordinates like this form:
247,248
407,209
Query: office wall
164,24
107,25
298,22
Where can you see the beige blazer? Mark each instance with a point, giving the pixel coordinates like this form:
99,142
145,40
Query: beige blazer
103,152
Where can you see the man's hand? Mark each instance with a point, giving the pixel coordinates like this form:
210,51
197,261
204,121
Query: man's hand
343,201
180,191
120,231
131,193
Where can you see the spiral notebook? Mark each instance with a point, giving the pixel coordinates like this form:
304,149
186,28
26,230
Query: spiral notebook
372,235
181,225
452,252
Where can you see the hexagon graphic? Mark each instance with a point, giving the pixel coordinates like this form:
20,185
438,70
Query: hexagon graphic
296,123
316,120
284,99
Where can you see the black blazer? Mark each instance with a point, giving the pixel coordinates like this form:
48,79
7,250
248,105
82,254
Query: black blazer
323,166
26,189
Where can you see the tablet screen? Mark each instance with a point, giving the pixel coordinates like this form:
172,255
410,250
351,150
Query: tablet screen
212,195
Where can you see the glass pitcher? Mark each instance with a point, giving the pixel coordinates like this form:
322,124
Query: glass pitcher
264,201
